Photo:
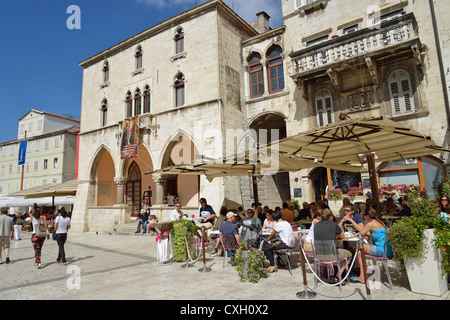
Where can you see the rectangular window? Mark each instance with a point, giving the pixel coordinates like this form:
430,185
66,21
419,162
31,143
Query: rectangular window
179,95
137,106
45,164
256,81
36,165
129,108
55,163
138,61
276,75
147,103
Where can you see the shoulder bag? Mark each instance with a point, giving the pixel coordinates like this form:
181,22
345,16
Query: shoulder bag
40,230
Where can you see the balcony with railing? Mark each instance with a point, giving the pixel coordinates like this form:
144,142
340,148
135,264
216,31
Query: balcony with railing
387,36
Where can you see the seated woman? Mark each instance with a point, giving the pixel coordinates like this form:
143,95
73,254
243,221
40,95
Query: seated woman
378,230
269,223
307,244
284,230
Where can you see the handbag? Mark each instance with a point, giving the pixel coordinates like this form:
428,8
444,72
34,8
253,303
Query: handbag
40,231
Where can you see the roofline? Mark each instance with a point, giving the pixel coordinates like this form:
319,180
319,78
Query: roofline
50,114
167,24
75,130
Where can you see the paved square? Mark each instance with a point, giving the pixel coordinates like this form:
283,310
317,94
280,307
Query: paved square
105,267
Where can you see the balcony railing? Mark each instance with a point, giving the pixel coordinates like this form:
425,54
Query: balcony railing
361,43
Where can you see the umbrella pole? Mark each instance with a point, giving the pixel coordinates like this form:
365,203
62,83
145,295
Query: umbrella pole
374,183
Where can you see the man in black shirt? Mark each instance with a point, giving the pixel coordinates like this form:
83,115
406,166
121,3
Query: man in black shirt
330,231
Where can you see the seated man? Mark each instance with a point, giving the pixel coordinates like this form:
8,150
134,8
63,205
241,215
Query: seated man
287,214
251,226
349,211
326,229
228,230
142,220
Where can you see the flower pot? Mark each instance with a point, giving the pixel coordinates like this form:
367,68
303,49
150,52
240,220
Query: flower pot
425,274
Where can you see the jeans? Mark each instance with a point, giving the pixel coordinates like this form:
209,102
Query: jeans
61,240
268,252
140,223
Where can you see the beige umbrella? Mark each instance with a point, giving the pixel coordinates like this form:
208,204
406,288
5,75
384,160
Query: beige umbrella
344,141
356,141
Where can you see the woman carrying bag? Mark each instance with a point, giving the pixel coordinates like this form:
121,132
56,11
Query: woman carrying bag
40,232
62,225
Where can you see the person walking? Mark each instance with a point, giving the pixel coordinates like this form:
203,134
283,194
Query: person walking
6,233
36,220
62,225
18,222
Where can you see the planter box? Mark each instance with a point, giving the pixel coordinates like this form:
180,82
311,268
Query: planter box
425,275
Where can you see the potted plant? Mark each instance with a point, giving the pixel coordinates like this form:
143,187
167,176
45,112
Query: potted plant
178,239
420,244
335,194
250,263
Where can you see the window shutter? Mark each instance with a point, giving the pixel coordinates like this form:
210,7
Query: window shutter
394,97
402,100
407,95
320,111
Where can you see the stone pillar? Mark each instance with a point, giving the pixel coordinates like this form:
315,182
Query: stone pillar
120,182
159,180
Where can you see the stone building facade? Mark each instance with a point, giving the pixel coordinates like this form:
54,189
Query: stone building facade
50,155
204,84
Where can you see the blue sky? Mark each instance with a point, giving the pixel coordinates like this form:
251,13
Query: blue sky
39,55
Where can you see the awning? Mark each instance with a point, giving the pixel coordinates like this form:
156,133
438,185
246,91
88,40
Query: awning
68,188
46,201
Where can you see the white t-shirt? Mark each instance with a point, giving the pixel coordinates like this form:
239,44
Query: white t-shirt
310,237
62,224
284,230
170,200
175,215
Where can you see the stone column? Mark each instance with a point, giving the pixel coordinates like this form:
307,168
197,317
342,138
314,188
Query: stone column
120,182
159,180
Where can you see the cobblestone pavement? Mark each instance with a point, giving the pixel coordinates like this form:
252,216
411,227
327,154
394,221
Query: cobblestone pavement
106,267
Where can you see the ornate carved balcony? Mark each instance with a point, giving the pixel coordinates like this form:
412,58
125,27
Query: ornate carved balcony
368,43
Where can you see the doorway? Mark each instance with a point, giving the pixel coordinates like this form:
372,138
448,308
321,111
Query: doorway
133,189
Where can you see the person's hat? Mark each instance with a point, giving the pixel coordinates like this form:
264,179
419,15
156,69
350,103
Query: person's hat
231,214
18,212
143,211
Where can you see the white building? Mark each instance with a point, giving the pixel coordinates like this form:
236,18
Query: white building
200,81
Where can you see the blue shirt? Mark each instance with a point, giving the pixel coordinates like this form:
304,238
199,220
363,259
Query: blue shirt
356,217
228,227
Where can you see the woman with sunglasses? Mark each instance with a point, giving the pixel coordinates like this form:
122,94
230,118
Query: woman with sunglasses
444,207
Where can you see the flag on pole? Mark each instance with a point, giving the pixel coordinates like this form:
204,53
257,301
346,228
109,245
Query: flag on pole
22,152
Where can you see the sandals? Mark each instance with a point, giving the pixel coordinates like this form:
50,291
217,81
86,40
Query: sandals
271,269
354,280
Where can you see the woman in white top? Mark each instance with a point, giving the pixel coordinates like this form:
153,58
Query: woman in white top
284,230
309,239
62,225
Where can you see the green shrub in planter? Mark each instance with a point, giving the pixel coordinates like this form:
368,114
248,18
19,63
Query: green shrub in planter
253,260
405,235
178,239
